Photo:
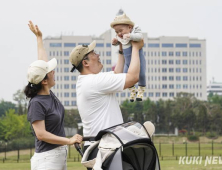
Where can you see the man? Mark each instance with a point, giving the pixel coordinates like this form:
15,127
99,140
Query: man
96,92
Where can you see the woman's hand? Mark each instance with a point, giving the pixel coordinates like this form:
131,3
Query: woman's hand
75,139
35,29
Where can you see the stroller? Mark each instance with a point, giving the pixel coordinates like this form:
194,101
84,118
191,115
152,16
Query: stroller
126,146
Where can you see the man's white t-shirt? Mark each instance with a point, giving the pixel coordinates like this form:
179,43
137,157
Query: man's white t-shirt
96,101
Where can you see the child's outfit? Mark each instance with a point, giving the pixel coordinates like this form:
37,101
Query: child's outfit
135,35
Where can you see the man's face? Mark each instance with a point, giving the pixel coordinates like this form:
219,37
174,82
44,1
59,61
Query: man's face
122,29
95,65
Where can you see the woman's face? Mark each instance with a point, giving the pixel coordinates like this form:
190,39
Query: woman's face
51,78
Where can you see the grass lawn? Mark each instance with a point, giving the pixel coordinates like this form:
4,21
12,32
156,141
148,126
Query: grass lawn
165,165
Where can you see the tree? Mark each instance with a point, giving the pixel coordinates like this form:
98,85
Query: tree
5,106
19,97
14,126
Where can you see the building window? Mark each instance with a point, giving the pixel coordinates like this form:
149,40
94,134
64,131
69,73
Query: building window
181,45
167,45
195,45
69,44
99,45
178,86
170,61
150,94
66,86
157,94
171,86
170,53
177,61
164,94
66,69
164,53
108,61
164,70
66,61
73,94
66,94
171,70
185,86
66,53
178,78
108,69
171,78
185,78
164,78
123,94
66,103
184,62
177,53
108,53
83,43
73,103
73,78
66,78
55,44
108,44
164,86
184,53
151,45
171,94
164,61
185,70
73,86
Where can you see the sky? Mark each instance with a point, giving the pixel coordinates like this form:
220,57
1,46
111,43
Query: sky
194,18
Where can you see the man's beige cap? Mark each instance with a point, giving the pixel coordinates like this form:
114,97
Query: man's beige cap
38,70
79,52
121,19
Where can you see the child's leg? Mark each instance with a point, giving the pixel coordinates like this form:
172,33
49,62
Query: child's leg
127,56
133,92
142,77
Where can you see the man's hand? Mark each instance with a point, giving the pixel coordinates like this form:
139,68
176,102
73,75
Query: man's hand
35,29
114,41
137,45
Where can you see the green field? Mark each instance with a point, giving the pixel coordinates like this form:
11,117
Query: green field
165,165
169,149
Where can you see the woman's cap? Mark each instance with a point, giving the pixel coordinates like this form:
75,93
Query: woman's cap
79,52
121,19
38,70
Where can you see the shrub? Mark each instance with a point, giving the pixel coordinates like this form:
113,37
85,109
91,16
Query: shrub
193,138
211,135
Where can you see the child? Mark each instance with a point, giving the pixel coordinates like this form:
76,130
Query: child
126,32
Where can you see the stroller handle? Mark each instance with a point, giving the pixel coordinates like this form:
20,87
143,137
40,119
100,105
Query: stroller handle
89,138
78,148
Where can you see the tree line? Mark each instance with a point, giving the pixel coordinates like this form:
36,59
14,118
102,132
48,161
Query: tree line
185,112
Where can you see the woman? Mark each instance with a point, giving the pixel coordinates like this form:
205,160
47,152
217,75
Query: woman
46,113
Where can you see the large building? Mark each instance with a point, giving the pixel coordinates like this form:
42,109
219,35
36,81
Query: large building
173,65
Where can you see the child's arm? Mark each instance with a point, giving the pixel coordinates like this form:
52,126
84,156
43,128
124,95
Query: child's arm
115,42
136,34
